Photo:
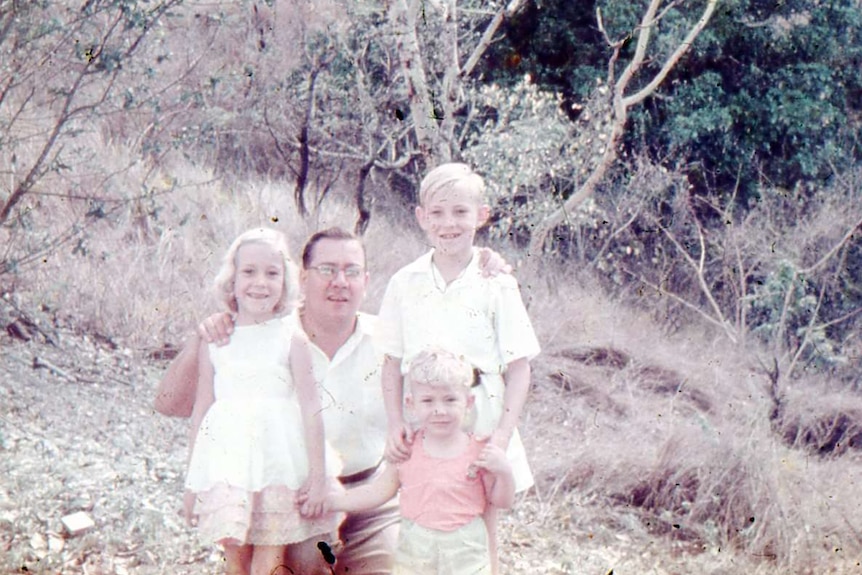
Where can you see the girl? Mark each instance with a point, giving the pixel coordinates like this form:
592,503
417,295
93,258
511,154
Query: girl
448,480
257,433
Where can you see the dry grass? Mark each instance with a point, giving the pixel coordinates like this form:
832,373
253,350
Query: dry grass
668,444
653,454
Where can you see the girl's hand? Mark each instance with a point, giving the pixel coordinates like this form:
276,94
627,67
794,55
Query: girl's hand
189,507
399,443
312,497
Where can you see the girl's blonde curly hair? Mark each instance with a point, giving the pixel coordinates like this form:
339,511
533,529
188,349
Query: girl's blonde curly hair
224,281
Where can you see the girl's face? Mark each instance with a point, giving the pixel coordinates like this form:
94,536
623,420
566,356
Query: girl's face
450,219
259,282
439,409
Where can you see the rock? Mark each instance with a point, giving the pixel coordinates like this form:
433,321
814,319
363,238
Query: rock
77,523
38,542
56,542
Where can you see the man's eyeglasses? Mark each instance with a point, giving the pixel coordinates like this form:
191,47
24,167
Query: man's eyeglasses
330,271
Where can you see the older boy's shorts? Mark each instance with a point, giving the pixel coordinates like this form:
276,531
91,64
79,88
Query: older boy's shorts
423,551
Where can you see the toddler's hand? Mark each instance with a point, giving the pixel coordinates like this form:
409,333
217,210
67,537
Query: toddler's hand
216,329
399,443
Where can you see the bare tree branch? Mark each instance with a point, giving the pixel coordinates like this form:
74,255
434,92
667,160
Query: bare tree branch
620,106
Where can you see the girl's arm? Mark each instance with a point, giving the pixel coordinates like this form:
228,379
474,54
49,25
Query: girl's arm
399,437
382,489
498,478
312,421
517,378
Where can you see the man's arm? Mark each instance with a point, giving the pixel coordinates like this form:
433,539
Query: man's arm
175,396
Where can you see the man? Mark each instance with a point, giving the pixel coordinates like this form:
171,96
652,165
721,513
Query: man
333,280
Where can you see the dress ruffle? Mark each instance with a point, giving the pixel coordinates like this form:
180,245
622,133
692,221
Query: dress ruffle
229,514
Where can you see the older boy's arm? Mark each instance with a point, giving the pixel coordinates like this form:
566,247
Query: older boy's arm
175,396
399,436
499,480
517,379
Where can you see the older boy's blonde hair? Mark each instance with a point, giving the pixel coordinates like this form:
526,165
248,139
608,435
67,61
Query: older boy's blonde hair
439,367
446,176
224,281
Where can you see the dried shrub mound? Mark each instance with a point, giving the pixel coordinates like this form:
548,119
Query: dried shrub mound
603,356
705,494
669,383
827,424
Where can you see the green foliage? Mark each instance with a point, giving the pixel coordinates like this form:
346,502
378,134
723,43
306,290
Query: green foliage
786,305
768,91
522,152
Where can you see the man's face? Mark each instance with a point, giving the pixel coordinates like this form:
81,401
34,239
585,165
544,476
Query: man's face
337,295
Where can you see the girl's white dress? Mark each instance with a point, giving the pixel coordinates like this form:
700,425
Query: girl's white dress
250,459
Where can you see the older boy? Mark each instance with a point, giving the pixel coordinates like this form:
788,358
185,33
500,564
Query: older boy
442,299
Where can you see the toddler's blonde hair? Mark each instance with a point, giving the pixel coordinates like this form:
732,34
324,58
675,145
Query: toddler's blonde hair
224,281
446,176
439,367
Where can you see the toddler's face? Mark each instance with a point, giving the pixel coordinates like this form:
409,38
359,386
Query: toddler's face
439,409
259,282
450,219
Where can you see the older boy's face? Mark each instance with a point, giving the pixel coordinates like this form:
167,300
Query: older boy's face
450,219
340,295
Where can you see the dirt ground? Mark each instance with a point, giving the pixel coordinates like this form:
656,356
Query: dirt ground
78,434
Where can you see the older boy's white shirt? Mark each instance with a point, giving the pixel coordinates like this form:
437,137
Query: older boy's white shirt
351,396
483,319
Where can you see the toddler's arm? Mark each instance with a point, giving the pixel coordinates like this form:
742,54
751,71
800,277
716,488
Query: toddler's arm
382,489
498,479
314,488
517,378
400,435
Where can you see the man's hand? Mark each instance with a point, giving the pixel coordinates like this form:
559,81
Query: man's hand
399,443
492,264
216,329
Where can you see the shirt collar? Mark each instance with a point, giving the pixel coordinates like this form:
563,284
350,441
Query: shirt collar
422,264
